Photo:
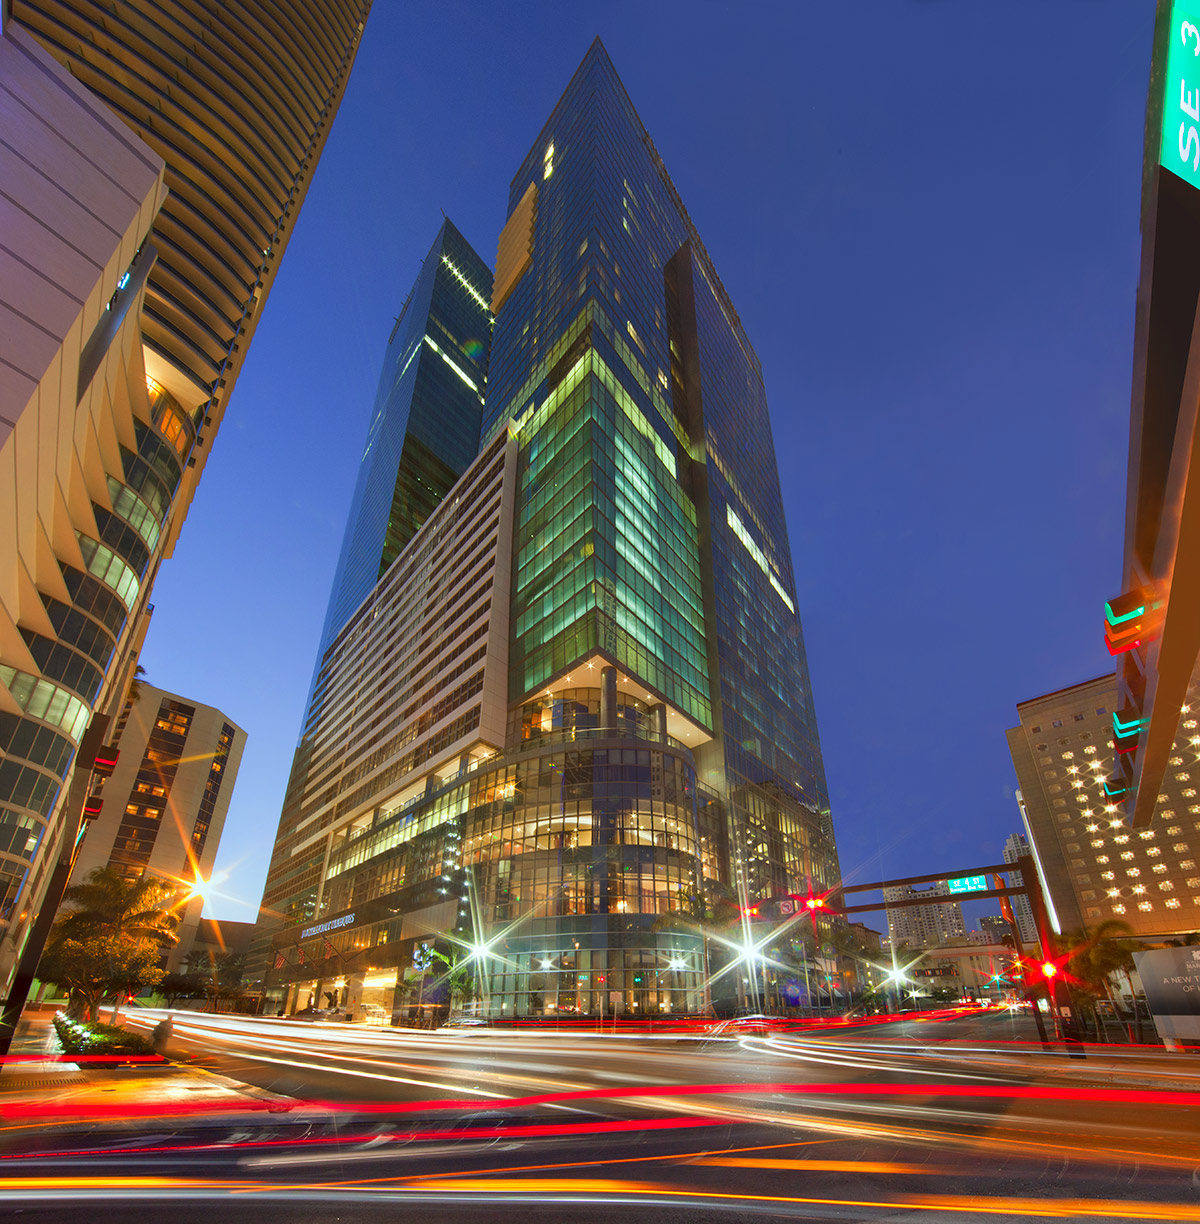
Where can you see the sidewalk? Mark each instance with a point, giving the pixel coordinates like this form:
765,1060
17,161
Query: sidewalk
37,1084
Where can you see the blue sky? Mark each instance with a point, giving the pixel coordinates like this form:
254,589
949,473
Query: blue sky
926,214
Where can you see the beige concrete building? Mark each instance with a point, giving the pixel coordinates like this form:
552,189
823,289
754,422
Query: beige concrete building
153,162
969,967
410,703
1095,864
165,803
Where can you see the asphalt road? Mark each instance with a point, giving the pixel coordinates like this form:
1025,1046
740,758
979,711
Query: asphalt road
922,1121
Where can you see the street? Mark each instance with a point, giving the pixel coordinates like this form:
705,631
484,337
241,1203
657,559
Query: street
935,1119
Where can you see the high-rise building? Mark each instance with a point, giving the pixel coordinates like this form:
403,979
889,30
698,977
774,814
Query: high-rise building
424,430
165,802
156,155
994,929
1015,847
1094,863
602,723
1152,627
923,926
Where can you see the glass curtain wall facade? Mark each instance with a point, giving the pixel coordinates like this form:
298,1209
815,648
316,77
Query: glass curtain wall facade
424,430
660,754
650,528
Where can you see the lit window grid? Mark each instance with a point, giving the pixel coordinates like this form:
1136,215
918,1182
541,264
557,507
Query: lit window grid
571,471
1071,777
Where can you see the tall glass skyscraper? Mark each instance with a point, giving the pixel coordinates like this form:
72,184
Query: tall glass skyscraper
630,737
425,428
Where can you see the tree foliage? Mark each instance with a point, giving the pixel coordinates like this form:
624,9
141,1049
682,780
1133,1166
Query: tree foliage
219,974
108,940
460,972
176,986
96,966
1093,956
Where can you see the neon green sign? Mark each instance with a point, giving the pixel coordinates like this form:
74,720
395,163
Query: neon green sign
1180,147
968,884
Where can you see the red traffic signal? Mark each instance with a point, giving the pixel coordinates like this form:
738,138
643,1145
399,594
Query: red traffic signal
105,762
813,903
1049,968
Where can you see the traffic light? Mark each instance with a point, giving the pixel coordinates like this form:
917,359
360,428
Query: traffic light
1049,968
637,978
814,903
751,911
102,766
1127,621
105,762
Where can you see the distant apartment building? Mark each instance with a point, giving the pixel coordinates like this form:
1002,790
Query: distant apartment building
165,803
1017,846
1094,864
923,926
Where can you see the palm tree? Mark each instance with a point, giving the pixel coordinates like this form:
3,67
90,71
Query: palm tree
110,907
220,973
1094,955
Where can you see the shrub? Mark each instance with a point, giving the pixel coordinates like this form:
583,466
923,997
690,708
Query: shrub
81,1037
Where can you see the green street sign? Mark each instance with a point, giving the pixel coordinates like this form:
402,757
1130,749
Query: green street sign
1179,150
968,884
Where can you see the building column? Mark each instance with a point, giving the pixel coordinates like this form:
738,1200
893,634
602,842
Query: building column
608,699
353,994
658,721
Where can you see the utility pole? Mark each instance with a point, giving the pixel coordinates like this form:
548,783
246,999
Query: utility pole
1007,910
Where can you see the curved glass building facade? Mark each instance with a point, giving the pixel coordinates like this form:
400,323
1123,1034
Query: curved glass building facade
644,756
155,159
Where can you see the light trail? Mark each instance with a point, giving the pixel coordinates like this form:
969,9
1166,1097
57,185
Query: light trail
590,1191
